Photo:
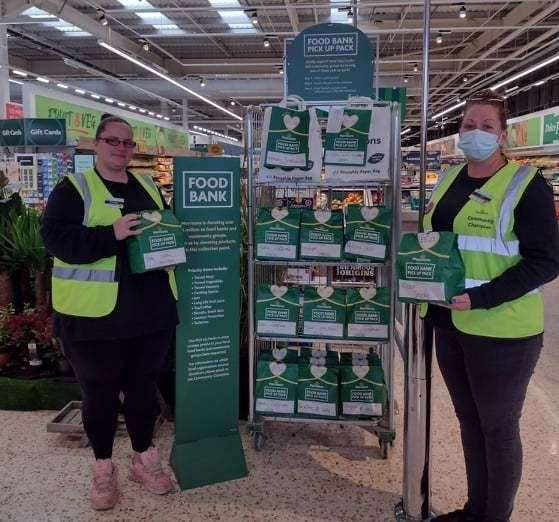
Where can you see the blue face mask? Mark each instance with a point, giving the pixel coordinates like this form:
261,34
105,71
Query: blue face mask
478,145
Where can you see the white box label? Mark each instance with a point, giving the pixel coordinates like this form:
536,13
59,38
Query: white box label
175,256
421,290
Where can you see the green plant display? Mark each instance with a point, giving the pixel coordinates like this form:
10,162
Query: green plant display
21,245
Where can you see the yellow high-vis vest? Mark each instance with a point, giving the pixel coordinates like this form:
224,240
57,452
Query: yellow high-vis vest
489,246
91,290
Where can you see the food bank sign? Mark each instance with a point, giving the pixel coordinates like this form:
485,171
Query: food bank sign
208,189
208,446
330,62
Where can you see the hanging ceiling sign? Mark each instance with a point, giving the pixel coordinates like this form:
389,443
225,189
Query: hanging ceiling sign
32,131
329,63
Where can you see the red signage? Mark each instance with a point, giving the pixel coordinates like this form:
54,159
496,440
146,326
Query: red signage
14,111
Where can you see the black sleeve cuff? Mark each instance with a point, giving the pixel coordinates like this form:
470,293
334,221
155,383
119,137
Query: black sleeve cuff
477,299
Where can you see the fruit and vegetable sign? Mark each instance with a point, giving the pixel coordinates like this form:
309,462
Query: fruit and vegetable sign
330,62
208,446
82,122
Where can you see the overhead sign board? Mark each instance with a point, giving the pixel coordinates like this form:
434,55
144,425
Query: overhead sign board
32,131
330,62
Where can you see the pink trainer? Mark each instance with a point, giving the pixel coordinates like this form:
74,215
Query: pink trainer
147,470
104,485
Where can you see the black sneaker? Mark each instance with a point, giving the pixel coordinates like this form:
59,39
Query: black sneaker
457,516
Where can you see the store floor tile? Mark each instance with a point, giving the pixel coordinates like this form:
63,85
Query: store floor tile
305,472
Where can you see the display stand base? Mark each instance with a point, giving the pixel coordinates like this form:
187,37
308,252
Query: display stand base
208,461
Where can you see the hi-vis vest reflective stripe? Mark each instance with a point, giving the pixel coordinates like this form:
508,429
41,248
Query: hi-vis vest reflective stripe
489,247
90,290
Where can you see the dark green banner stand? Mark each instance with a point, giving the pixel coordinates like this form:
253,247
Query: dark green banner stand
208,446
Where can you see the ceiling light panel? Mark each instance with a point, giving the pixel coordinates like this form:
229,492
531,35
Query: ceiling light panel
338,16
165,77
34,12
66,28
156,19
237,20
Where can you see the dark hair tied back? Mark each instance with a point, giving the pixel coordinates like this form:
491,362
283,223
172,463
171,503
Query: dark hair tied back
109,118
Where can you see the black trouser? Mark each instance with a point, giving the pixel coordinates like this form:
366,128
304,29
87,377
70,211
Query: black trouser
104,369
487,380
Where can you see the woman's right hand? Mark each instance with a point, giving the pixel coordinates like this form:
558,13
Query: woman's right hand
123,227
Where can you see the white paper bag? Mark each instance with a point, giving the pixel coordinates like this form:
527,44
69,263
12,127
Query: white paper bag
294,175
346,160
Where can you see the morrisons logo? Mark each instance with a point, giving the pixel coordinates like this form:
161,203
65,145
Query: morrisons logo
208,189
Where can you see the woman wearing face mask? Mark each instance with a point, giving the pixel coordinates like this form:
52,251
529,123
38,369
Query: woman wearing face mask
489,340
115,327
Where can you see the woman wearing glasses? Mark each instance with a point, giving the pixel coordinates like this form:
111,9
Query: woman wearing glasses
115,327
488,342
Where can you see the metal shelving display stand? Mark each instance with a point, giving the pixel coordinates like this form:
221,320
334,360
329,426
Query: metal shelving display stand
273,272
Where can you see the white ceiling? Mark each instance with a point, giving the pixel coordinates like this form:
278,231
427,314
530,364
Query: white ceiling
215,40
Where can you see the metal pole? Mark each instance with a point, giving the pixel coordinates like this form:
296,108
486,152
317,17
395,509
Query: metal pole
417,419
418,341
354,9
4,71
249,147
424,109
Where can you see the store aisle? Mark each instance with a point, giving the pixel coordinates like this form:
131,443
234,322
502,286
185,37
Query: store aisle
306,473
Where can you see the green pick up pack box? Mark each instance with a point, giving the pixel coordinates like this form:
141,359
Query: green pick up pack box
160,244
429,268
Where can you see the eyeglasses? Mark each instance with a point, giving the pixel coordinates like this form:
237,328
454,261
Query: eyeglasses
113,141
486,96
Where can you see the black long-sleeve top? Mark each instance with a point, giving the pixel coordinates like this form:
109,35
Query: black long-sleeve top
535,226
145,303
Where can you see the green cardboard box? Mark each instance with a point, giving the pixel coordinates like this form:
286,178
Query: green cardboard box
429,268
324,312
322,234
276,387
277,310
160,244
317,391
277,233
367,233
368,313
363,391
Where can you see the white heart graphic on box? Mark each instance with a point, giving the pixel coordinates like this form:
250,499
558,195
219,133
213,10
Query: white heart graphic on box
278,291
369,213
317,361
322,216
360,371
154,217
291,122
325,291
318,371
280,213
368,292
428,239
350,120
279,353
277,368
